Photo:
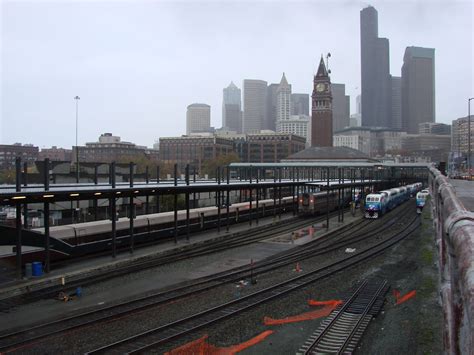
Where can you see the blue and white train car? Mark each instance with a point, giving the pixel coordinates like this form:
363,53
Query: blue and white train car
389,199
375,205
421,198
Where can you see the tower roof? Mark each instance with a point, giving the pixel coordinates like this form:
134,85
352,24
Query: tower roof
322,68
283,80
232,85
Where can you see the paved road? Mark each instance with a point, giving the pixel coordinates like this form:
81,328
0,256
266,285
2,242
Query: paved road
465,192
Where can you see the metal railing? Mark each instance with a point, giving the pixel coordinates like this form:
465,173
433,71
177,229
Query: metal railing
454,227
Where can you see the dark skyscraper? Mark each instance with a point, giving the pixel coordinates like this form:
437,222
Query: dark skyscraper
255,99
321,118
300,104
340,107
396,102
231,108
271,107
418,88
375,72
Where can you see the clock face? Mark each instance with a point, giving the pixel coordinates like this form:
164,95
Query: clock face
320,87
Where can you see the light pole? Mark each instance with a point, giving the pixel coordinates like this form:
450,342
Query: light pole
77,98
469,136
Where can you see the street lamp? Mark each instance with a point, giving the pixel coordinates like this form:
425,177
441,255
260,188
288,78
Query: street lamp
77,98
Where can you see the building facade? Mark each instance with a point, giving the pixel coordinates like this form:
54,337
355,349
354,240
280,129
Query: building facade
340,107
321,112
396,121
434,146
193,150
9,152
55,154
232,108
375,72
198,118
354,142
298,125
434,128
272,147
299,104
255,99
107,149
418,88
375,142
460,138
283,100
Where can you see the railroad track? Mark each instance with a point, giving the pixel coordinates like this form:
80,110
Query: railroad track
226,242
161,335
333,242
342,330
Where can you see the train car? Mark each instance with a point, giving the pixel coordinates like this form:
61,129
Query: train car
317,202
421,198
162,224
375,205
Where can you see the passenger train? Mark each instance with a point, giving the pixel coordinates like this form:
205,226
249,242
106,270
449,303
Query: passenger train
379,203
162,224
421,198
316,202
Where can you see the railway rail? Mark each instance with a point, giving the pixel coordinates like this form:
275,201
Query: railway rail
331,242
161,335
225,242
342,330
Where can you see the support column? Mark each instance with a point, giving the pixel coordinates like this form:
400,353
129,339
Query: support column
46,219
19,266
327,201
187,202
113,210
228,198
175,205
131,210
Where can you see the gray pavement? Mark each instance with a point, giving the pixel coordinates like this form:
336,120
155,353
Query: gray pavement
465,192
146,281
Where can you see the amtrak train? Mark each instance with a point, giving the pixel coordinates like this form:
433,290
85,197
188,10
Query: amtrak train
317,202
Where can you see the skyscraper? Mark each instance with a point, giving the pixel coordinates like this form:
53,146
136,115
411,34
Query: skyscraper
283,99
198,118
396,102
321,118
271,107
255,92
375,72
418,88
231,108
300,104
340,107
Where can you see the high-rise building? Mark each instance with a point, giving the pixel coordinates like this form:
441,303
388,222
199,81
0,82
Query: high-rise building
297,124
358,105
418,88
340,107
198,118
300,104
396,121
271,107
232,108
283,99
254,114
321,113
375,72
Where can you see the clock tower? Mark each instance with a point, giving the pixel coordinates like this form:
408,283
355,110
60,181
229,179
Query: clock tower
321,114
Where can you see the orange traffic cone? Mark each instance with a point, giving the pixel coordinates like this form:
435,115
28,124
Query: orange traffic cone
297,268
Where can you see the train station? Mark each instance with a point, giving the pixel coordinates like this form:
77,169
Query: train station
251,219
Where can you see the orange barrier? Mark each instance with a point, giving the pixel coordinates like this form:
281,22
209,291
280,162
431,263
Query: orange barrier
404,298
201,347
329,306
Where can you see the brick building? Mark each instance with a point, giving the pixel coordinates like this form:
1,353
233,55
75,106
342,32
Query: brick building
55,154
9,152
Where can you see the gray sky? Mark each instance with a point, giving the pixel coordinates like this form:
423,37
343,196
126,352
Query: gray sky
137,65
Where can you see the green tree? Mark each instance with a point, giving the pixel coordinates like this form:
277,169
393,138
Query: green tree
210,166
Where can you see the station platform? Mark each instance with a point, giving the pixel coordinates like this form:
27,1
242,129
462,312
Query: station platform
465,192
113,291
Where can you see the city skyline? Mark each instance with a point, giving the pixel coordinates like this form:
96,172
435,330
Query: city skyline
128,84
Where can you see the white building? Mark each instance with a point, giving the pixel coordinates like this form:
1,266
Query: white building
296,124
354,142
283,100
198,118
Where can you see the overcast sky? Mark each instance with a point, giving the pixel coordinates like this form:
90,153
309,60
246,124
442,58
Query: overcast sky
137,65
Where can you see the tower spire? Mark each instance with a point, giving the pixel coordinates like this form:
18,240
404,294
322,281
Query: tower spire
322,71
